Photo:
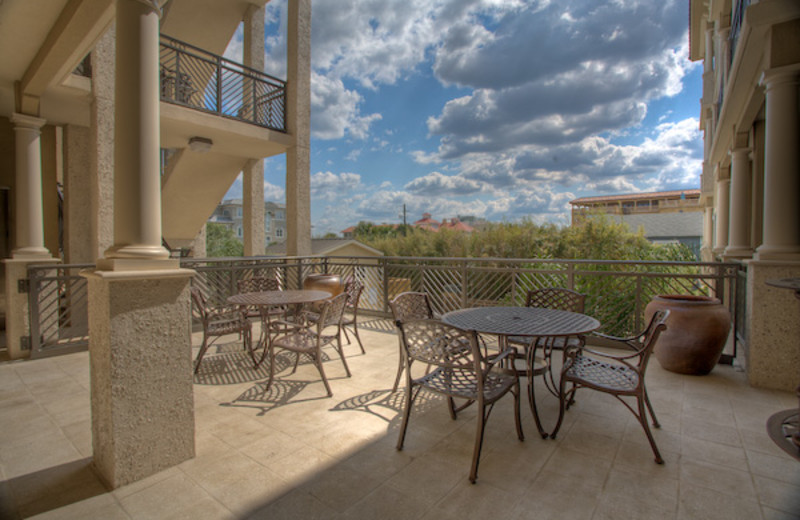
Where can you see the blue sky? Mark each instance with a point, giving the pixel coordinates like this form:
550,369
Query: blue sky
501,109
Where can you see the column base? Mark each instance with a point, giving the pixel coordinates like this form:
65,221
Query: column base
773,324
738,253
31,254
141,372
778,253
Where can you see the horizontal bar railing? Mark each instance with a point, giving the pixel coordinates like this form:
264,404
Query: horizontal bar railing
617,292
198,79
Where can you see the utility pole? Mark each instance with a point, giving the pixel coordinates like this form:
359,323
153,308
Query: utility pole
405,228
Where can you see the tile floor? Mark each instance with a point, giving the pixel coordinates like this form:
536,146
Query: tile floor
292,452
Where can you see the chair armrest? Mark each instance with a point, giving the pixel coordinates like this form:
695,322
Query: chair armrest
510,353
618,339
606,354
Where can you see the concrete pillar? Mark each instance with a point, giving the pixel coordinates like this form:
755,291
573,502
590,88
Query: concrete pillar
101,161
739,211
199,244
78,208
253,172
722,213
29,219
139,306
781,238
706,251
757,187
137,181
298,117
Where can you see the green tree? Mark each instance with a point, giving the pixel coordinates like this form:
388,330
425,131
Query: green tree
221,241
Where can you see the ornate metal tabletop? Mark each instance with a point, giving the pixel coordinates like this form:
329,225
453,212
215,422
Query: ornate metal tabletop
521,321
279,298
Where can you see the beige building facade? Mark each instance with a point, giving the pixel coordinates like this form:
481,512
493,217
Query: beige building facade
750,189
122,116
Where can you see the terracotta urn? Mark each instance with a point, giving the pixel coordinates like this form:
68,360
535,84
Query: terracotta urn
328,282
697,329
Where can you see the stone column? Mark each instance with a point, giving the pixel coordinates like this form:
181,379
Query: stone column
298,116
139,307
29,231
781,237
739,214
253,172
29,210
101,163
137,182
722,214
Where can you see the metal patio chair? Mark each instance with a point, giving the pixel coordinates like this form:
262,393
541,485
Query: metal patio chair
353,288
621,375
218,322
458,369
540,365
408,306
306,337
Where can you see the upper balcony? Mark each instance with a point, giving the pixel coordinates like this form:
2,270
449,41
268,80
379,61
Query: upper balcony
198,79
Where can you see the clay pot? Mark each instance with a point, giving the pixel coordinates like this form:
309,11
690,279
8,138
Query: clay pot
331,283
697,329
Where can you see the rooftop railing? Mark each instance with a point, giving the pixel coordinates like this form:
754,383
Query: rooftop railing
198,79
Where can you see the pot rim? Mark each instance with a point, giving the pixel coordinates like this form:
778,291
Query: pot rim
688,299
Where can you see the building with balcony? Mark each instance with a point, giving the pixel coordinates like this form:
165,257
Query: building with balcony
664,217
750,188
230,213
130,106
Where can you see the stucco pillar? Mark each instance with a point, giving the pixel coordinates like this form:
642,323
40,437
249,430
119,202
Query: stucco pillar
139,304
739,214
101,162
722,213
253,171
781,237
298,117
29,210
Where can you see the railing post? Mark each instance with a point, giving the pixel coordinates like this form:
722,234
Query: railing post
571,276
464,283
219,85
33,309
385,270
637,314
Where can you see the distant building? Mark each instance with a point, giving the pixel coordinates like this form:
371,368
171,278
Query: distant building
664,217
229,213
426,222
456,225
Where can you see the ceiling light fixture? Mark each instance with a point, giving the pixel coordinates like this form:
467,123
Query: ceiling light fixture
200,144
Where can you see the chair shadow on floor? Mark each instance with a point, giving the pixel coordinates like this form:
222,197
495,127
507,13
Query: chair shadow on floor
284,391
391,403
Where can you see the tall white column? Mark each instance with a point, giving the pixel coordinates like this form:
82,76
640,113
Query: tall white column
29,210
722,213
739,211
137,182
781,238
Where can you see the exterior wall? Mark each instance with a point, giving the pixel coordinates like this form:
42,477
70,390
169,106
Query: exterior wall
751,123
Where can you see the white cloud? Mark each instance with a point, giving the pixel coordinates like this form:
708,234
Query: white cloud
330,186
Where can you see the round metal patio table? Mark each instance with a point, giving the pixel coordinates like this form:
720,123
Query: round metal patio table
270,299
532,322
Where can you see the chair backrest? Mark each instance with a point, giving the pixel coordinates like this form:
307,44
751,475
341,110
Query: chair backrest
411,306
647,339
257,284
435,343
353,289
199,307
332,312
556,298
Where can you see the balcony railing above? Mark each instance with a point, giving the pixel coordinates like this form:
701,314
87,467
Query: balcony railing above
201,80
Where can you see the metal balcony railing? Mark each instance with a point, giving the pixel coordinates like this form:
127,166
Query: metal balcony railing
201,80
617,291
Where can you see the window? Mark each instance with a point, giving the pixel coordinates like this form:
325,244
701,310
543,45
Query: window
279,215
279,233
238,212
239,231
